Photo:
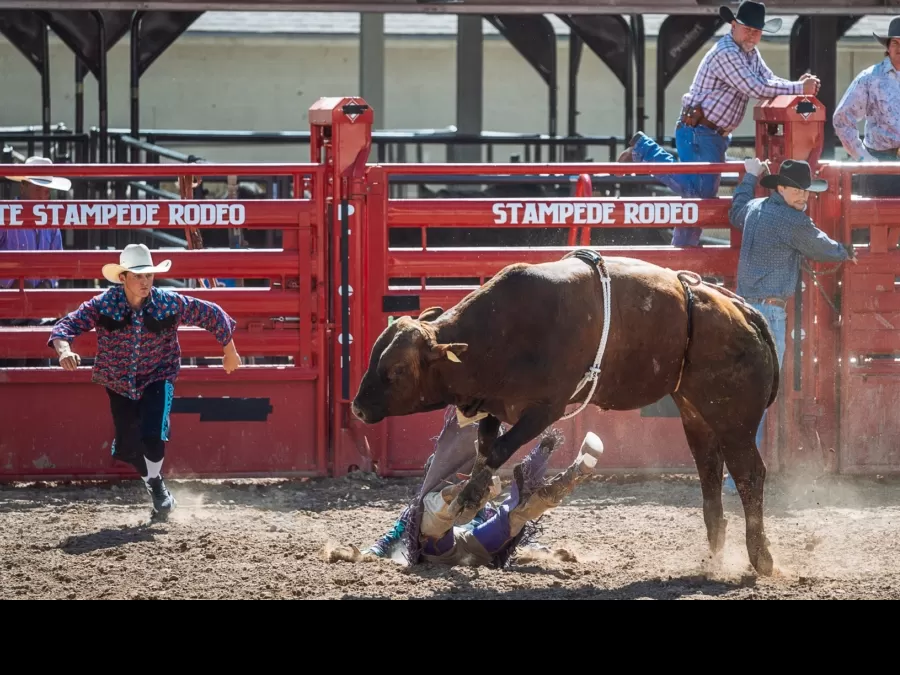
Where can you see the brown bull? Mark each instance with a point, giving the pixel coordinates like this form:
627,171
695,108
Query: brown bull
518,347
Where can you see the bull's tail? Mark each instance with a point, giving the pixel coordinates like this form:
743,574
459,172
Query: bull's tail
762,327
754,316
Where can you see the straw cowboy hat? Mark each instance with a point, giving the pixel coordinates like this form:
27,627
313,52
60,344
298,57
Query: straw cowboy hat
893,32
795,174
135,258
51,182
753,15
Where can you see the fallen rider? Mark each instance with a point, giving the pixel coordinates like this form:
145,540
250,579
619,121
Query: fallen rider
425,531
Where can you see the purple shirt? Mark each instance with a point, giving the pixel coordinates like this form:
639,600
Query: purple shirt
728,77
15,239
137,348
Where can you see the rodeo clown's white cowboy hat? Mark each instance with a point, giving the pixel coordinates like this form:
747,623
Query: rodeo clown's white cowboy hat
135,258
52,182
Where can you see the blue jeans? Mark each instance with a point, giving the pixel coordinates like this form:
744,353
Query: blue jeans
694,144
777,319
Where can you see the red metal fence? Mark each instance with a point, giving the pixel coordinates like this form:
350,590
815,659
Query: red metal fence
337,283
259,420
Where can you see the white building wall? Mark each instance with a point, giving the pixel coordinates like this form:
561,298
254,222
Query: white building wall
210,82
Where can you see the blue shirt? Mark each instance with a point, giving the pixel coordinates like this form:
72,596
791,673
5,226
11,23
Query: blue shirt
775,237
16,239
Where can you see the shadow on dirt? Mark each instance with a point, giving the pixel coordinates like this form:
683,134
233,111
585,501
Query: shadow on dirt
81,544
652,589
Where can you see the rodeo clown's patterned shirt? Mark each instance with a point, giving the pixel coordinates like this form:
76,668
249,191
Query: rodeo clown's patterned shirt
874,96
136,348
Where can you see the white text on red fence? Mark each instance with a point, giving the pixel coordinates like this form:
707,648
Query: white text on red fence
596,213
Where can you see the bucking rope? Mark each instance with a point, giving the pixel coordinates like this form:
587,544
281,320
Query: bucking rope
593,374
815,279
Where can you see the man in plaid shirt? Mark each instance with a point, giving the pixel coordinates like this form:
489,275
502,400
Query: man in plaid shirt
731,73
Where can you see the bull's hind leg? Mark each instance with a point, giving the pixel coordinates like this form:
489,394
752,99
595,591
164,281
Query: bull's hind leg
749,473
530,425
705,450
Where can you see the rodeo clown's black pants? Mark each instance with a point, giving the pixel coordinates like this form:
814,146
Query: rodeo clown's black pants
142,426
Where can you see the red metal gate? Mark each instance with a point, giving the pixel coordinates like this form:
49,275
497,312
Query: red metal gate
407,281
870,337
260,420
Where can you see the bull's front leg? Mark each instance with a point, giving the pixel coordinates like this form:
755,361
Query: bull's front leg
530,425
488,430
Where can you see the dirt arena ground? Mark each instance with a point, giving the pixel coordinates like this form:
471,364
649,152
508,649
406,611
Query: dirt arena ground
617,537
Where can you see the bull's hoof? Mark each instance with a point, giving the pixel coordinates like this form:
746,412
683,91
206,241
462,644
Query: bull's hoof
473,496
762,561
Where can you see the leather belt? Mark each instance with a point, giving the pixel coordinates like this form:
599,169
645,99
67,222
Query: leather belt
885,155
691,116
777,302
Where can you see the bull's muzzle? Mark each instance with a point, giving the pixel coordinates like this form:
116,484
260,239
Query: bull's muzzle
358,412
366,416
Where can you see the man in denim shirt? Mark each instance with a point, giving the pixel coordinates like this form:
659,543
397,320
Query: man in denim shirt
776,234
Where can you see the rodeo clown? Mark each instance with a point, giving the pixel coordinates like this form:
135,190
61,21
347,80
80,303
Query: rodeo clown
139,358
425,531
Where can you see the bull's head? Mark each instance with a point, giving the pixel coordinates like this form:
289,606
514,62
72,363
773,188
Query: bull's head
400,377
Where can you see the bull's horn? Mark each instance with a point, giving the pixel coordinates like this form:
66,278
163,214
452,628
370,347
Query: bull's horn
431,314
450,351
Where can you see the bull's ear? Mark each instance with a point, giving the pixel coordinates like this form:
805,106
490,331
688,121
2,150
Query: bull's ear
431,314
447,351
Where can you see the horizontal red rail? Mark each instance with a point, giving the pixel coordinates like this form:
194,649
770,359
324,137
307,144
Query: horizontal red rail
31,343
225,264
592,169
875,212
247,373
855,169
173,169
239,302
212,213
589,212
455,262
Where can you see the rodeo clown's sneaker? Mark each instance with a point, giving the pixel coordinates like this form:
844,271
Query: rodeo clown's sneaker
163,501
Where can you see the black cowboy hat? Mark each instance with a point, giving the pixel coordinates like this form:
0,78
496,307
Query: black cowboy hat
893,32
795,174
752,14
